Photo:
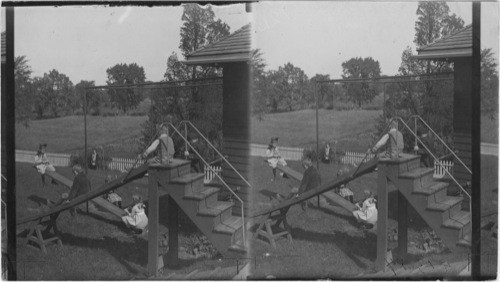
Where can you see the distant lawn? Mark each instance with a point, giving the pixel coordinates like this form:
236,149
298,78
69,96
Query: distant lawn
489,130
66,134
298,129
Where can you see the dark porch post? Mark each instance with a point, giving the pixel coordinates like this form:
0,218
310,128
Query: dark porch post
476,139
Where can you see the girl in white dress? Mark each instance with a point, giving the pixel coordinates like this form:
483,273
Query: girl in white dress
367,213
273,156
136,217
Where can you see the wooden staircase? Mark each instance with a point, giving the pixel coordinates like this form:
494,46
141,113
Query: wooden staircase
443,213
200,202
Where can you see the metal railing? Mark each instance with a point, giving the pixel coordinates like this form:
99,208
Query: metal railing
436,159
184,138
418,118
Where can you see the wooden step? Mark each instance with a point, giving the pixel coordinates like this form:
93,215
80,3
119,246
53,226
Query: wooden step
446,204
238,247
217,209
230,225
458,220
432,188
417,173
187,178
434,192
201,194
465,242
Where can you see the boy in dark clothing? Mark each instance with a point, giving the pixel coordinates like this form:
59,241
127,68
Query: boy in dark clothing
310,180
81,185
190,154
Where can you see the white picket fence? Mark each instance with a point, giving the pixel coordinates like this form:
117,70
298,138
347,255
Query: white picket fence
211,175
355,158
288,153
440,171
121,164
55,159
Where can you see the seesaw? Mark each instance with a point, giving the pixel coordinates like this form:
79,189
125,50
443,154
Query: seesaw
276,215
45,223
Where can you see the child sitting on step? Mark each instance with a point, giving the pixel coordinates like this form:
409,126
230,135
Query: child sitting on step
136,217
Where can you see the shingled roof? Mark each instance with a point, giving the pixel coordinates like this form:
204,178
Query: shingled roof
4,48
456,45
234,48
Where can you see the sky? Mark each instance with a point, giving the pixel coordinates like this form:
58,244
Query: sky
82,42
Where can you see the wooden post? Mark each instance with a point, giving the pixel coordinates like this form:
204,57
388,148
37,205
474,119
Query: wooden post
402,250
153,223
476,140
380,263
173,233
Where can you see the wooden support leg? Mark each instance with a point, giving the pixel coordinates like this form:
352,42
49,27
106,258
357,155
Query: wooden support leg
173,233
153,223
269,231
380,263
402,250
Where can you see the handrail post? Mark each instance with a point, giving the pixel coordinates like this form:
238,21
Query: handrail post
416,133
185,135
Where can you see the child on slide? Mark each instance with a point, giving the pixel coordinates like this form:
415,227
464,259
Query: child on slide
273,157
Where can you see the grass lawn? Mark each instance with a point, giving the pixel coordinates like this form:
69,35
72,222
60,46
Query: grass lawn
489,130
96,246
298,129
66,134
326,241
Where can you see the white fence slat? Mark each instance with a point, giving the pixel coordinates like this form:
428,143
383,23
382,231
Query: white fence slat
210,175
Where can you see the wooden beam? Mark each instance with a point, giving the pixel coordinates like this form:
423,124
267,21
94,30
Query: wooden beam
173,233
153,223
383,209
402,250
476,142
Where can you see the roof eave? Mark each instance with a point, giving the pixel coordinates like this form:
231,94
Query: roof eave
443,54
221,59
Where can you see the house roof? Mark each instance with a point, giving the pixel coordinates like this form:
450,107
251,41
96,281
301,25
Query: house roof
234,48
456,45
4,48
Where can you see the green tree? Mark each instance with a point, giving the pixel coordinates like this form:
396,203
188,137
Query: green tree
290,87
200,105
259,85
199,29
24,101
122,74
360,93
489,84
96,98
54,93
325,91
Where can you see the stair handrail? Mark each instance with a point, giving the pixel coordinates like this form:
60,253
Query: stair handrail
367,153
441,140
436,159
221,156
218,176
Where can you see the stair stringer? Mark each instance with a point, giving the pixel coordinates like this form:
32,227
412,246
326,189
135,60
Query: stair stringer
221,241
434,219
